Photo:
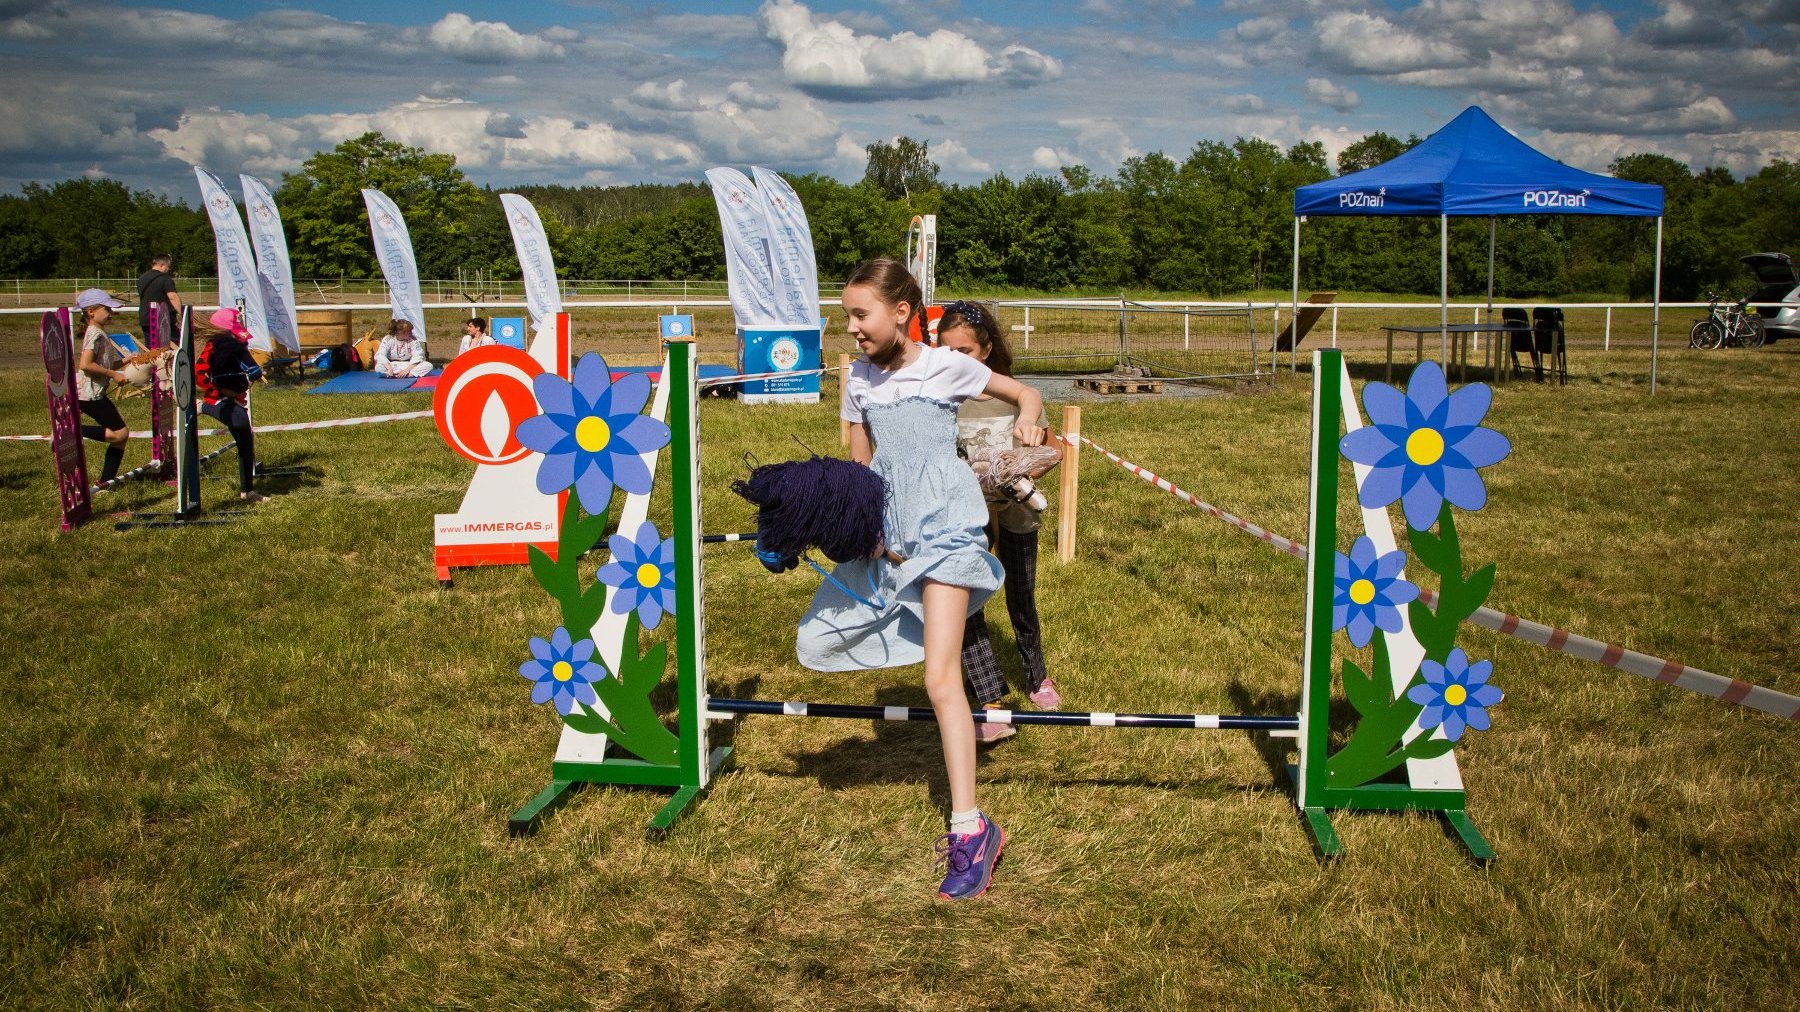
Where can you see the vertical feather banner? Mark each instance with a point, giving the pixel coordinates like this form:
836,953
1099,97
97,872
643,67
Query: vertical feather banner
542,298
240,283
744,223
271,246
796,272
394,252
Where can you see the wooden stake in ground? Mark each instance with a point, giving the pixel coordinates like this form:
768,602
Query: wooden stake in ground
843,385
1071,483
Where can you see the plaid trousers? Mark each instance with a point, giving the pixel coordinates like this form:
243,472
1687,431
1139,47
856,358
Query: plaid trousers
981,669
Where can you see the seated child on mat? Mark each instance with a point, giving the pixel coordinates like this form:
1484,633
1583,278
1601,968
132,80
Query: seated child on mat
401,353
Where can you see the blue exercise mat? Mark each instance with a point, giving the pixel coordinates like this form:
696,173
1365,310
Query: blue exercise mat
368,383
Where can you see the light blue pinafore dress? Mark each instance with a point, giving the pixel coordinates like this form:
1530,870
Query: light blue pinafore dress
935,519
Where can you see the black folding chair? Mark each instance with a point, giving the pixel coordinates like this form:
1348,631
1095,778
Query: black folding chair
1550,342
1518,338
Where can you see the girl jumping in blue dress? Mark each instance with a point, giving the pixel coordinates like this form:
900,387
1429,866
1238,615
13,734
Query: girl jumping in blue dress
901,399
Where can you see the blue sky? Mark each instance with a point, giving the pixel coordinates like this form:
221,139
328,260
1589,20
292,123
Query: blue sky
607,92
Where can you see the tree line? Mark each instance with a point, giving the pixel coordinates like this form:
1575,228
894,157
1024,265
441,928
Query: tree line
1218,222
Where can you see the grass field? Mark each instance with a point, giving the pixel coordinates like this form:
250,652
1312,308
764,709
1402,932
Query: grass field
269,765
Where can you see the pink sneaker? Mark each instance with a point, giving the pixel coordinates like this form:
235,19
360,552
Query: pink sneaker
987,734
1045,696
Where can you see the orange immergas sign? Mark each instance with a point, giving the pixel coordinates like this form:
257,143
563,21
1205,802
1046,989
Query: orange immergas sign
482,397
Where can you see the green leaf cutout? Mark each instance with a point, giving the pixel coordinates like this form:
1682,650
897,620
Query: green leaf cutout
1424,747
1360,689
626,695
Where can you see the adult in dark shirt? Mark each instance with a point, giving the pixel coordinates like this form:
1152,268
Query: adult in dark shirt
156,286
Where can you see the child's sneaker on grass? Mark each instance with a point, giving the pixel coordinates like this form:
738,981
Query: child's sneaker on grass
1045,696
970,859
987,734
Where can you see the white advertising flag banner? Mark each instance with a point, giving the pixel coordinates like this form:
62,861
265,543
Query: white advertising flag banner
744,224
543,300
796,272
240,283
271,246
394,252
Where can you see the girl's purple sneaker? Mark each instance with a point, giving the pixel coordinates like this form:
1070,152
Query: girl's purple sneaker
971,858
1045,696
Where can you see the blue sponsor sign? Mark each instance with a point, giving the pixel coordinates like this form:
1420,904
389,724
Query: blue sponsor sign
677,326
509,330
779,349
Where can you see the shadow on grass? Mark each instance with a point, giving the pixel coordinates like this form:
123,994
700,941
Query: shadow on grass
906,752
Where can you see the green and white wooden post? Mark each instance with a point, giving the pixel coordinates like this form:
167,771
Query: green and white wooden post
584,758
1425,782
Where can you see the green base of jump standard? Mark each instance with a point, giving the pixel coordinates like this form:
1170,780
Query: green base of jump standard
1393,798
1325,838
1472,840
658,827
571,778
526,821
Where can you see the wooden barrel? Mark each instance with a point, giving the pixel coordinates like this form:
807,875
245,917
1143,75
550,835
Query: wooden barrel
324,328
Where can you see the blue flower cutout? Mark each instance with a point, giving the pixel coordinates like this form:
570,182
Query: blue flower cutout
643,572
564,671
1456,694
1425,446
1368,591
592,433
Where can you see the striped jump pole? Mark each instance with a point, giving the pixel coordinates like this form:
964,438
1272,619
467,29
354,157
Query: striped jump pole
148,470
725,709
216,454
1706,683
720,539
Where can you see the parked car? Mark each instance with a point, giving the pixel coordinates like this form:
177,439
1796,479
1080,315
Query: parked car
1777,295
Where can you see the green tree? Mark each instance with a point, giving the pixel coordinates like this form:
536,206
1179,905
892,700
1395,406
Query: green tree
902,168
1372,150
26,247
323,210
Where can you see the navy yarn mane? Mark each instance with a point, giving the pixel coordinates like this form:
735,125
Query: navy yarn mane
824,502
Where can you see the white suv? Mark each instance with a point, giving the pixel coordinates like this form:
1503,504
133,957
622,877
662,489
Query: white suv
1777,295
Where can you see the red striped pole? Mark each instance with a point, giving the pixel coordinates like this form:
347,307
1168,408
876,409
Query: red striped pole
1706,683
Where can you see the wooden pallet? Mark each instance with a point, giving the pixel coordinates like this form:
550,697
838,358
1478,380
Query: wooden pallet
1120,384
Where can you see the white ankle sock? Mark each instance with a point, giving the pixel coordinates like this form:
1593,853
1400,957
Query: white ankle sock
964,823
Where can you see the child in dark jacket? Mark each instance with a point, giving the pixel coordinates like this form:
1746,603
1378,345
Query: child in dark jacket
224,371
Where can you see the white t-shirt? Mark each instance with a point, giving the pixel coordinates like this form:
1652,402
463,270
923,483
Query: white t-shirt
938,373
474,341
106,356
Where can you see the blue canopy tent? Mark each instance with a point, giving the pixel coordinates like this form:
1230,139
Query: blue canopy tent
1473,167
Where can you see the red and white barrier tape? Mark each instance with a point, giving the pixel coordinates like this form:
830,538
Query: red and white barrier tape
719,381
1706,683
333,423
329,423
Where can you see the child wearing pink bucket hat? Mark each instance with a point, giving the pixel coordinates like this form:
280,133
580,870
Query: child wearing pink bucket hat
224,371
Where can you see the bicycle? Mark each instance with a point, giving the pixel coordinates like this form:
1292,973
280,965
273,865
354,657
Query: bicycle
1735,327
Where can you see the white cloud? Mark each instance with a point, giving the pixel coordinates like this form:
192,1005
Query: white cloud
747,97
1322,91
672,96
951,155
829,58
1260,29
487,41
1742,152
1363,43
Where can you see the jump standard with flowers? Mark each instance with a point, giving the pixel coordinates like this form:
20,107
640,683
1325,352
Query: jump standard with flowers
1416,700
